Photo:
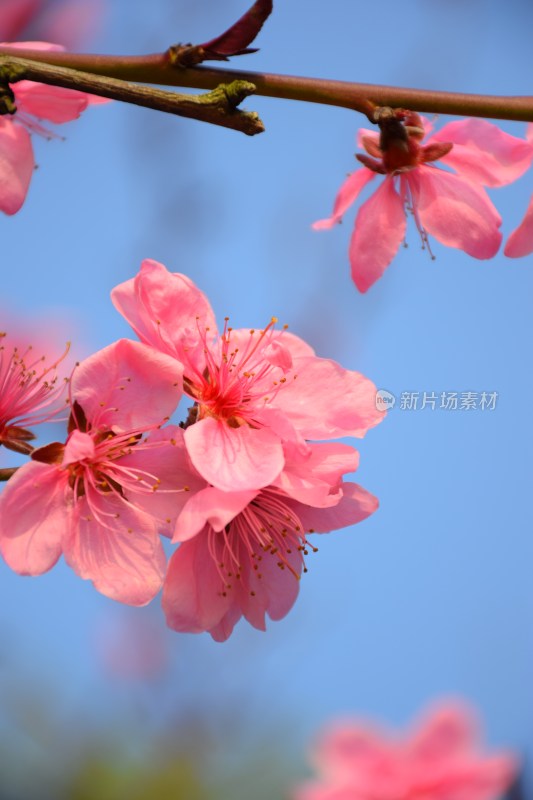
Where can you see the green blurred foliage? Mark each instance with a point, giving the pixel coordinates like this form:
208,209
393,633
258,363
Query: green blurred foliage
106,780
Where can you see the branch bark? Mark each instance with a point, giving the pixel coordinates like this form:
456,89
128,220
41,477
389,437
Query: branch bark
158,69
218,107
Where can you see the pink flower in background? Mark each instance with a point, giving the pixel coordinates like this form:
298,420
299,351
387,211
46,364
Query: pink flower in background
15,16
253,390
34,102
30,391
454,208
520,242
68,22
440,760
242,553
94,498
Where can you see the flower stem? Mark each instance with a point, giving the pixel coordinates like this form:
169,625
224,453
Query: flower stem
219,106
158,68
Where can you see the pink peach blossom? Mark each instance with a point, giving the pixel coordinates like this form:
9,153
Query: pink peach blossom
520,242
29,393
34,102
454,208
440,760
85,498
253,390
242,553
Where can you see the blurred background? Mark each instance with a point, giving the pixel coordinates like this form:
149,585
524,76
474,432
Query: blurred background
431,597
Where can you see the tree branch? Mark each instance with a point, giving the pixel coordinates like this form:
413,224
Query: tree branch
158,69
219,106
7,472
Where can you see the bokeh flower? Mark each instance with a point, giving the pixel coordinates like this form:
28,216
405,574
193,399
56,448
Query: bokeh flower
440,759
30,393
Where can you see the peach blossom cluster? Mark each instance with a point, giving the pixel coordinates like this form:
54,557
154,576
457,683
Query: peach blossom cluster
240,485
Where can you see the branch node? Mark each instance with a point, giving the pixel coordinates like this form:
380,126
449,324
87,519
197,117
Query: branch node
9,73
183,56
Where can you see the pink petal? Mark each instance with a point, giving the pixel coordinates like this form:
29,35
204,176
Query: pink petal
355,505
79,446
165,458
16,165
192,594
297,346
127,385
445,731
348,749
33,45
529,132
233,459
243,339
52,103
210,506
378,233
277,422
455,211
313,477
348,194
16,15
482,152
165,309
34,518
274,593
116,547
367,133
520,242
73,21
327,401
223,629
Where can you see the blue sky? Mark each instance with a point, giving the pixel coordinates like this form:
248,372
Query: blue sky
432,596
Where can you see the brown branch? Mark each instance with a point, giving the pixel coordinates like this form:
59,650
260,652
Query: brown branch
218,106
362,97
7,472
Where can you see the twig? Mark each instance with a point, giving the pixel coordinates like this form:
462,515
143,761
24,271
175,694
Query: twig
218,106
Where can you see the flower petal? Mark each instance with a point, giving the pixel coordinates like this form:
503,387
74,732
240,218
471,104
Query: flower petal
192,594
166,310
313,477
52,103
348,194
210,506
16,165
116,546
345,407
355,505
233,459
274,593
34,518
483,152
520,242
79,446
127,386
445,731
378,233
165,461
456,212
